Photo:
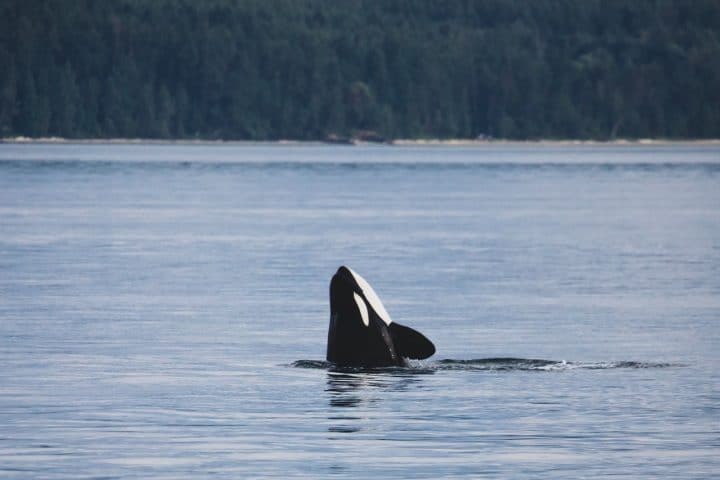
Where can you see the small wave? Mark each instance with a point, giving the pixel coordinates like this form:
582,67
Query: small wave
319,364
499,364
524,364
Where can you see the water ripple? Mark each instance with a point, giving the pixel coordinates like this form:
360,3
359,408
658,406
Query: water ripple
489,364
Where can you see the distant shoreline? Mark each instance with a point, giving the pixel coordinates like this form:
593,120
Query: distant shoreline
398,142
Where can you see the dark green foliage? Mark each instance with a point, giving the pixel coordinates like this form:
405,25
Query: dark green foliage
305,69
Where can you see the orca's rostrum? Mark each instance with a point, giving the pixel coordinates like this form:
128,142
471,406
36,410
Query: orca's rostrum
361,333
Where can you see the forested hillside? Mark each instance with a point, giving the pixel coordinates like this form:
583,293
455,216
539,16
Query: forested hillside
306,69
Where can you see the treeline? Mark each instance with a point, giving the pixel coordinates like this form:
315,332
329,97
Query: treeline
307,69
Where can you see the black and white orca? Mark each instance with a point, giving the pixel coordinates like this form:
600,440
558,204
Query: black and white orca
361,333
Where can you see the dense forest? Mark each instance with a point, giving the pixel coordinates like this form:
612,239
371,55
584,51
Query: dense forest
309,69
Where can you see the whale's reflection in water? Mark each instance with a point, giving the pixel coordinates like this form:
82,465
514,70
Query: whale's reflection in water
354,394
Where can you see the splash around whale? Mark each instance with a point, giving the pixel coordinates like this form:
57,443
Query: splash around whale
361,332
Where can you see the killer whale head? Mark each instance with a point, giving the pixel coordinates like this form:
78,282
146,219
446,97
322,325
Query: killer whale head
361,332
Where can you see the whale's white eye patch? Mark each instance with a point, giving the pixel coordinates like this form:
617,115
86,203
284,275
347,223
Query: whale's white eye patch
372,299
363,309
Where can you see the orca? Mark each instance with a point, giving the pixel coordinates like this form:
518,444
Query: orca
362,334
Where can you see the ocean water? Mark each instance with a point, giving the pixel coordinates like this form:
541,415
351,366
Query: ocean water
164,311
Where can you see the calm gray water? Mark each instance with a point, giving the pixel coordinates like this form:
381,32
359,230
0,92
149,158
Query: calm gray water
163,311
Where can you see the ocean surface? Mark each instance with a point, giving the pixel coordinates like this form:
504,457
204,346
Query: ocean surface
164,311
